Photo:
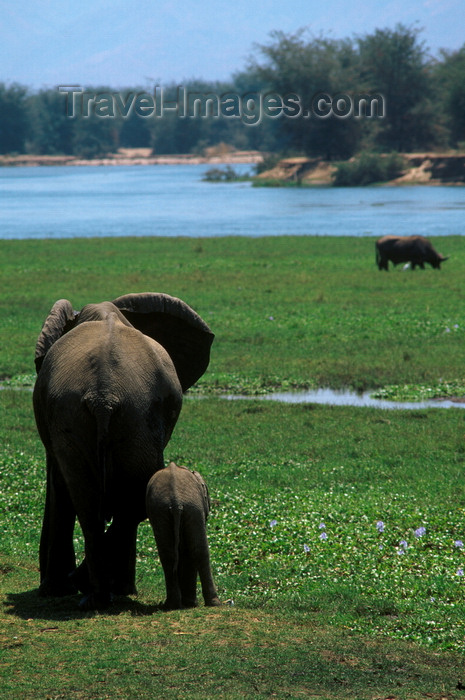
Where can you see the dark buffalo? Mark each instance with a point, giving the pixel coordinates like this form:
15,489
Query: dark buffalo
415,250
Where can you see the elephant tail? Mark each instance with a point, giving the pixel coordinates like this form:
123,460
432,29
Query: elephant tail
106,474
102,414
176,512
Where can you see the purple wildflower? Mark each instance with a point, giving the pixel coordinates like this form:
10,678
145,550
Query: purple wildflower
460,572
306,548
458,543
420,531
322,526
273,523
323,536
380,526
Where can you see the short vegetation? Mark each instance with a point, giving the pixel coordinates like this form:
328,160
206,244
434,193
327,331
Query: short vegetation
337,534
368,168
226,174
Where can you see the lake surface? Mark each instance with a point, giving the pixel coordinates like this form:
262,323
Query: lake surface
172,200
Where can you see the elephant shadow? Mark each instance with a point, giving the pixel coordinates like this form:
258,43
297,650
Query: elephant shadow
28,605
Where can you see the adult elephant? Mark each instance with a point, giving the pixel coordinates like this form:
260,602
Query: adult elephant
107,397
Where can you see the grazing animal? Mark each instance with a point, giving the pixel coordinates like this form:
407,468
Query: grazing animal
178,504
416,250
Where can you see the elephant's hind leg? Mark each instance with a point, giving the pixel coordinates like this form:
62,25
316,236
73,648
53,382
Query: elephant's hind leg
209,593
173,592
99,595
56,553
120,543
188,580
167,551
87,499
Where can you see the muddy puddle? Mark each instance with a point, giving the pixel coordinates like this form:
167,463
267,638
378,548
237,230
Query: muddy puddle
331,397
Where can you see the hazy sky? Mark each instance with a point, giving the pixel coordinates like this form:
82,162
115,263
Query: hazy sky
44,43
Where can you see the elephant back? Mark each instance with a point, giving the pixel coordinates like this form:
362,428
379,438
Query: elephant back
166,319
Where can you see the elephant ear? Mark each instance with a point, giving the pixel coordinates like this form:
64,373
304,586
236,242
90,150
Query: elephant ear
59,321
173,324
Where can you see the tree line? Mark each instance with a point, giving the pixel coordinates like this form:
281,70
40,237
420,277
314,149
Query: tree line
303,89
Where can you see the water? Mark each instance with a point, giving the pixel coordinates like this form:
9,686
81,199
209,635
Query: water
328,397
332,397
172,200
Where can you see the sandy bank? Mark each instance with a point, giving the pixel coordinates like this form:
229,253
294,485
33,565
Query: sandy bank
421,169
135,156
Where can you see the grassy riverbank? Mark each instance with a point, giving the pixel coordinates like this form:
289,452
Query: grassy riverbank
336,532
287,311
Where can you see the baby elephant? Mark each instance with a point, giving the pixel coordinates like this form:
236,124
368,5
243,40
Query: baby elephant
177,506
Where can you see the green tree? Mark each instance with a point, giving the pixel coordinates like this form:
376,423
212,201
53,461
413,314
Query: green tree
449,74
95,136
52,132
173,132
134,132
394,63
198,125
14,118
307,69
265,135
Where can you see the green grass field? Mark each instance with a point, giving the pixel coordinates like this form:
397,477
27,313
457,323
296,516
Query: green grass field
337,534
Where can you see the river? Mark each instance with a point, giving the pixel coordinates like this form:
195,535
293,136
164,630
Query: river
173,200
